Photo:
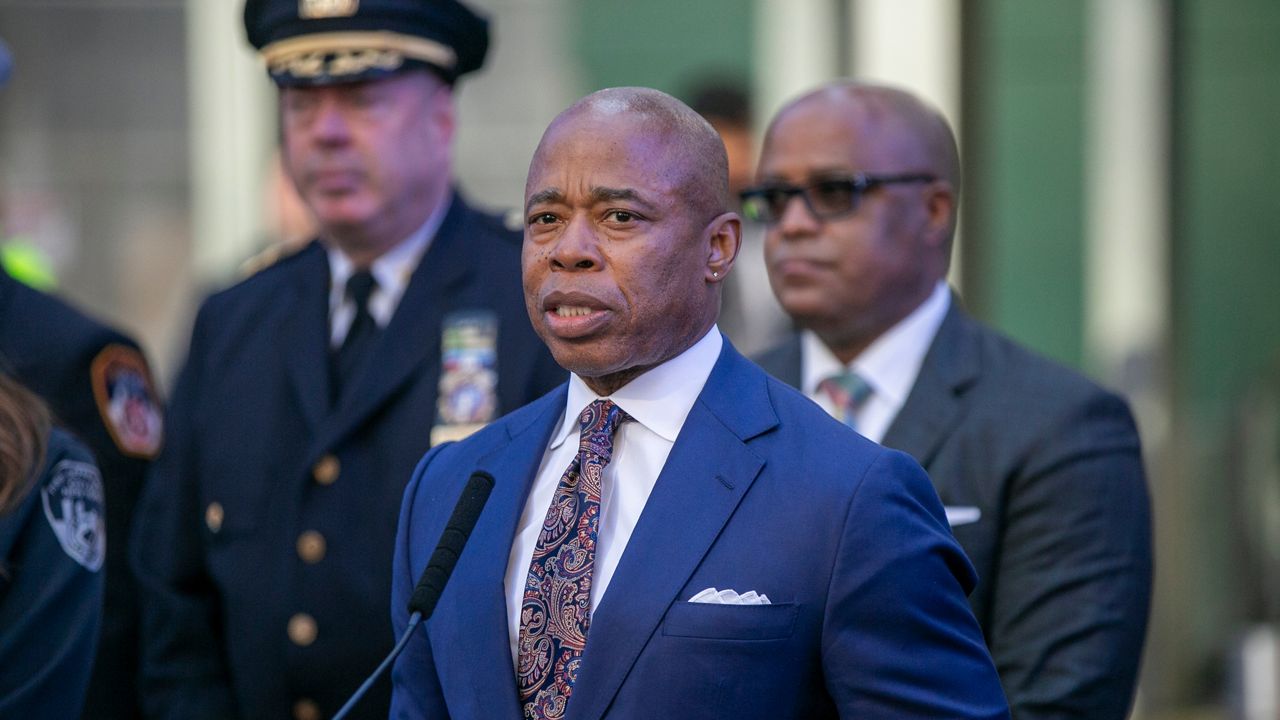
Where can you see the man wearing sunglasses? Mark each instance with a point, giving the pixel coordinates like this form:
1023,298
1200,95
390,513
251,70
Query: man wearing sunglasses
1040,469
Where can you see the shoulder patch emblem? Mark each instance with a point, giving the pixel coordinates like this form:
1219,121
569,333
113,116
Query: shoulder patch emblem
127,400
73,505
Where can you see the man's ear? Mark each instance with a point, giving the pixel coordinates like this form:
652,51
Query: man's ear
443,114
724,237
940,206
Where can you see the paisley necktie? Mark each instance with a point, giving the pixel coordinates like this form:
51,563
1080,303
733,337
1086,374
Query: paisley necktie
556,612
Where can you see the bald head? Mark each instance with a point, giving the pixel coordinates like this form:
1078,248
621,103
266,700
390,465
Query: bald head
853,273
902,132
693,152
627,234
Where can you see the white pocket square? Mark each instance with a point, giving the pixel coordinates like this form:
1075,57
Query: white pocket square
962,514
729,597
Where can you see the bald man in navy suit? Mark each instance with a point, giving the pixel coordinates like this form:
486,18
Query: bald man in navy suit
673,533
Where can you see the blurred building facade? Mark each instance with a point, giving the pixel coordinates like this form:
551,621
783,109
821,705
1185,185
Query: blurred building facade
1119,211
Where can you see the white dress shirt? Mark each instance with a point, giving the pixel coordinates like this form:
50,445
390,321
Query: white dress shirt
392,270
658,401
889,365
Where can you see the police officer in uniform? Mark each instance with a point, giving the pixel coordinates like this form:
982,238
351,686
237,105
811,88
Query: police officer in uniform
98,385
312,388
51,554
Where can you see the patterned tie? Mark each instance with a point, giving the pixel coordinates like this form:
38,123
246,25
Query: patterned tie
556,612
848,391
360,336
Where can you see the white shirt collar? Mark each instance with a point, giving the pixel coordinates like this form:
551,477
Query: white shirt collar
660,399
392,270
891,363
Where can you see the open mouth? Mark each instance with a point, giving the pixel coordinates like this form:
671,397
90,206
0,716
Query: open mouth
573,315
568,311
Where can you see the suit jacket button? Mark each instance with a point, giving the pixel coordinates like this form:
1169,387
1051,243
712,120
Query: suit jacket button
306,709
302,629
326,470
213,516
311,547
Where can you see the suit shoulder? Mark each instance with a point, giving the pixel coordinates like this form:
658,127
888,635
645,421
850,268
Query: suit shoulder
95,378
505,229
61,324
1036,394
807,431
269,257
265,275
1022,369
782,359
247,299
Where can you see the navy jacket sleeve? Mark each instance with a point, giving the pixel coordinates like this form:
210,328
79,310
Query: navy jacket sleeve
52,548
899,639
182,665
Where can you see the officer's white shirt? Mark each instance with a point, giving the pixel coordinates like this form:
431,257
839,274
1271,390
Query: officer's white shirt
659,401
890,365
392,270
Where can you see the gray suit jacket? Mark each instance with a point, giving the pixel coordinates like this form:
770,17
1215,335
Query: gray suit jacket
1063,542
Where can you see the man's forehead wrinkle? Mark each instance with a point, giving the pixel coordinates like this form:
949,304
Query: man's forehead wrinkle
599,194
546,195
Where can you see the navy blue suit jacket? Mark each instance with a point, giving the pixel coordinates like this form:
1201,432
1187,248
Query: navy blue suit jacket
762,491
258,462
1062,538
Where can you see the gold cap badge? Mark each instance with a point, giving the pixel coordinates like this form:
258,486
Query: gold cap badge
313,9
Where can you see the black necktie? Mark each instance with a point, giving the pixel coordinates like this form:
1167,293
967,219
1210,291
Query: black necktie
360,336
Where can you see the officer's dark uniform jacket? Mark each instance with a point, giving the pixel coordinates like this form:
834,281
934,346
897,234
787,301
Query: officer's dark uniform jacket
265,553
51,585
51,348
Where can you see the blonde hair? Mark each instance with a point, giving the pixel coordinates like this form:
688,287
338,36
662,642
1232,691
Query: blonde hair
24,434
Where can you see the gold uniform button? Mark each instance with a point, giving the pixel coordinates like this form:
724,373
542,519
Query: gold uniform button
326,470
306,709
213,516
302,629
311,547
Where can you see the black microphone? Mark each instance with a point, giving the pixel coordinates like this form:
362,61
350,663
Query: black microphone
427,592
456,531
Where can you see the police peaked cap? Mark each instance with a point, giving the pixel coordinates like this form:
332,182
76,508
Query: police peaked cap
322,42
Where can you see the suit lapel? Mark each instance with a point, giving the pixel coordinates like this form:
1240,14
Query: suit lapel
306,334
411,341
709,471
477,588
936,403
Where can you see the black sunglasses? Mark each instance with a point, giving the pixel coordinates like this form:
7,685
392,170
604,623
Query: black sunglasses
827,198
